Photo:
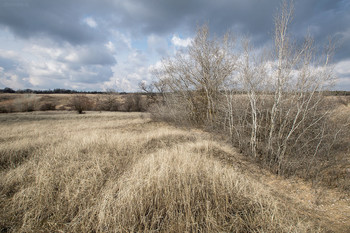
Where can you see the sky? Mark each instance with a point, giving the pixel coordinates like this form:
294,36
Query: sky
116,44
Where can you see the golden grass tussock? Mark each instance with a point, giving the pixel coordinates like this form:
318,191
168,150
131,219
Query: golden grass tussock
181,191
120,172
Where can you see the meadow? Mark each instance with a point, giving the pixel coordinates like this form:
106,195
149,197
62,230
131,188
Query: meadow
124,172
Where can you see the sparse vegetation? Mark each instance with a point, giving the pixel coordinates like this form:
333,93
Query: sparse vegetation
135,103
81,103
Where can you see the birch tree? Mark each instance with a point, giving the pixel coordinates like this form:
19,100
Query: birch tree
299,79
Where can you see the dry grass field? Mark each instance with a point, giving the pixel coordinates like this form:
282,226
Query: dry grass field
19,102
122,172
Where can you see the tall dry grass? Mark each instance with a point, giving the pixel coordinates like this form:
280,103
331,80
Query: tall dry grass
120,172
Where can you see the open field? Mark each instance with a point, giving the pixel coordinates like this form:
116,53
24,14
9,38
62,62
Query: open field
34,102
18,102
122,172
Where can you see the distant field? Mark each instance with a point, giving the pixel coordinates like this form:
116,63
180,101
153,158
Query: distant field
122,172
15,102
35,102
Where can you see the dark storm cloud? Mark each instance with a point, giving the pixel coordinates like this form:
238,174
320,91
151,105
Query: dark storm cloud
62,20
154,16
325,19
255,18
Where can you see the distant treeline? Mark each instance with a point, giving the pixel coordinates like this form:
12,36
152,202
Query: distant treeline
67,91
54,91
338,93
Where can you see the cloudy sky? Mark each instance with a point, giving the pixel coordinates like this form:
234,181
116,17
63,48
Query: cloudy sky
101,44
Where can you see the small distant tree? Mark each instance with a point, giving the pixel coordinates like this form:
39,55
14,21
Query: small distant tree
81,103
111,103
134,103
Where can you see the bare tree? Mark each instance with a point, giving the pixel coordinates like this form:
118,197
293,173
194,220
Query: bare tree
298,81
282,50
80,103
150,93
251,77
286,115
194,77
134,103
111,103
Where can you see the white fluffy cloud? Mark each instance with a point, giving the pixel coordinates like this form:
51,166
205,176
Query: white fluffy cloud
130,71
342,70
177,41
57,66
8,79
343,67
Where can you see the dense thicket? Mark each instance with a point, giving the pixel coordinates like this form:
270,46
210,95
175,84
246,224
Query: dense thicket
272,105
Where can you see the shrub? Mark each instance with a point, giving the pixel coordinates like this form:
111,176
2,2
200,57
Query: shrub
81,103
47,107
110,103
134,103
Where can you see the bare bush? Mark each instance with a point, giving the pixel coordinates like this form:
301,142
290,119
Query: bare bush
47,107
81,103
192,80
134,103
